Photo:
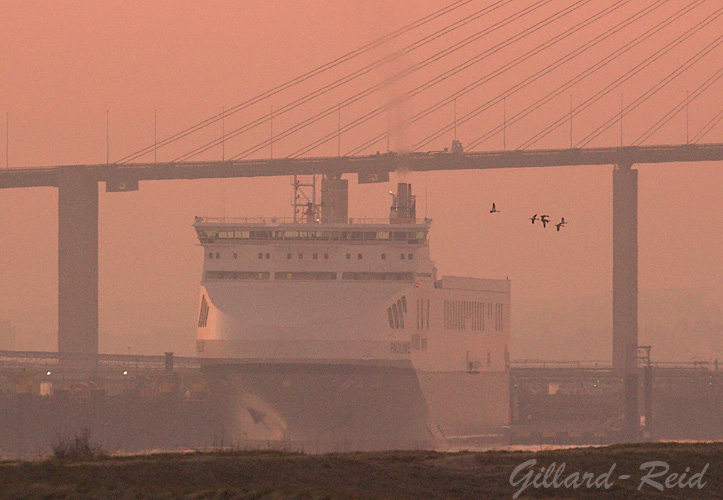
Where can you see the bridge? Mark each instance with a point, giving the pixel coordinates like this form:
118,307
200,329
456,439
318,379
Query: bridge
123,177
78,213
78,184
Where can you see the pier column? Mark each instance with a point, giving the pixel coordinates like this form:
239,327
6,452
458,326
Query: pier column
625,269
625,290
77,263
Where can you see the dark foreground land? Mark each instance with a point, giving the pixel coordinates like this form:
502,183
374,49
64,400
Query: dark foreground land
394,475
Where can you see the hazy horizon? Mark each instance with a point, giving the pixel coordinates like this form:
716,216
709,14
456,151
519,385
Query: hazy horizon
681,325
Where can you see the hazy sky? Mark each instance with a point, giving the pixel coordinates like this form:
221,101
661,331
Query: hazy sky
64,64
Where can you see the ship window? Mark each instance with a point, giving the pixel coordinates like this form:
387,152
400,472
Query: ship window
301,255
316,256
427,313
218,255
261,256
348,256
391,317
371,276
288,255
402,256
261,235
395,313
210,255
268,256
236,275
306,276
415,341
401,313
384,256
203,315
404,303
417,314
359,256
357,235
326,256
383,235
410,256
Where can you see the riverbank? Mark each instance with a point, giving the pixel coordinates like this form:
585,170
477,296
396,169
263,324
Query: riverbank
410,475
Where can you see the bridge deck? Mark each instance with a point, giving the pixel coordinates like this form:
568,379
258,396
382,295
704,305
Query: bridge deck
378,163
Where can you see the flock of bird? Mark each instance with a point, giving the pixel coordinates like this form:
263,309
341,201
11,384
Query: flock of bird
545,219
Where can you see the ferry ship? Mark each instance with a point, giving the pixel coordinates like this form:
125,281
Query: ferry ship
335,333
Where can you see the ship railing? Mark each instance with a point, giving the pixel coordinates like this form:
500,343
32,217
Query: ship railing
289,220
542,363
45,360
712,365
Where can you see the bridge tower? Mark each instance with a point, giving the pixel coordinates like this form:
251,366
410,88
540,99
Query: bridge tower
77,264
625,290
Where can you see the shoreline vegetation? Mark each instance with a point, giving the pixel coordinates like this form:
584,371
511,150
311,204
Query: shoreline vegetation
272,474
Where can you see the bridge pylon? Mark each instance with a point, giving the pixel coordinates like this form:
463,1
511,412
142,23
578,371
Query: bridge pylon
77,264
625,291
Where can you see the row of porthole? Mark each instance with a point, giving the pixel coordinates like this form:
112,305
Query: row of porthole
235,255
315,256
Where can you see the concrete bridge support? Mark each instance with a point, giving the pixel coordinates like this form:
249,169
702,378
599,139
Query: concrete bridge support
77,263
625,290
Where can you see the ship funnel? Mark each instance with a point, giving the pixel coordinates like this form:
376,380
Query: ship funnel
403,208
334,199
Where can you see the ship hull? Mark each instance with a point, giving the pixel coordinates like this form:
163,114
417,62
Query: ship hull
322,405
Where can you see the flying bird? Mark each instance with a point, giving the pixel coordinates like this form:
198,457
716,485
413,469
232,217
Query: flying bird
560,224
494,209
544,219
534,218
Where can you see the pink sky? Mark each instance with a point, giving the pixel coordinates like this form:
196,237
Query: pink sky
63,64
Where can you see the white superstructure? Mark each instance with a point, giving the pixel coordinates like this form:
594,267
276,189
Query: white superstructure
354,300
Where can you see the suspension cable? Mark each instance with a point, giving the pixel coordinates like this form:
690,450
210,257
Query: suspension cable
301,78
435,57
357,73
707,127
548,69
650,92
678,108
455,70
608,88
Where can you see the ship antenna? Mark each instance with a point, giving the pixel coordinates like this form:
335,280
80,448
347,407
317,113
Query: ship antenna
426,193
